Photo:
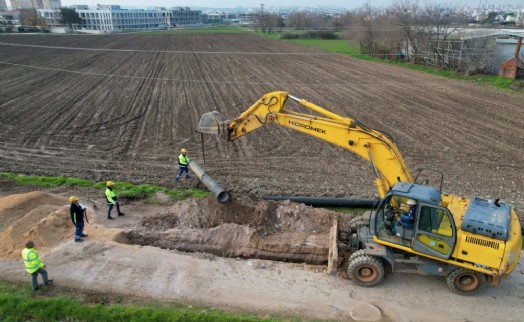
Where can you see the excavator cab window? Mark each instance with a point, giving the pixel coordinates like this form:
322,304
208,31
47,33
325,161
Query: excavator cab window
435,233
386,217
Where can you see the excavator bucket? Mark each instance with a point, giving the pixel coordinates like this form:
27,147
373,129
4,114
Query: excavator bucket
210,123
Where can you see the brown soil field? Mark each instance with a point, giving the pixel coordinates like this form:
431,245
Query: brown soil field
120,107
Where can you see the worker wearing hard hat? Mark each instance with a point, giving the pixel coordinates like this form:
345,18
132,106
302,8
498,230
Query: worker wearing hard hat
112,200
77,216
407,219
34,266
183,163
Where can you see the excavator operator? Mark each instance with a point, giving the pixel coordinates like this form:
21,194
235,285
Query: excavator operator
407,219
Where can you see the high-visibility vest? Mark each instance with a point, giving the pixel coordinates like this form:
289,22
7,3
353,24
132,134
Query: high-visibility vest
183,160
31,260
110,194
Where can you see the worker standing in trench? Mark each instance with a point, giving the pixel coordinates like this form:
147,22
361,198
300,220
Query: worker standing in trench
183,163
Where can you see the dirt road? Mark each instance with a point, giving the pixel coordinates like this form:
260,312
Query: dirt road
261,286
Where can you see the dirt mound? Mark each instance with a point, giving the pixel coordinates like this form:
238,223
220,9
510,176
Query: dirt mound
13,207
245,227
39,216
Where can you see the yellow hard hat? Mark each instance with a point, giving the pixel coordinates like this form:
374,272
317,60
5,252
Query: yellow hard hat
109,183
183,150
73,199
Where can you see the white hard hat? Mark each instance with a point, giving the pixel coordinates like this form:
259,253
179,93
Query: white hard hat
412,202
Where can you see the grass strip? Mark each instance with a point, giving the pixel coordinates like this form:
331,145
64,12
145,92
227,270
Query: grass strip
20,303
123,189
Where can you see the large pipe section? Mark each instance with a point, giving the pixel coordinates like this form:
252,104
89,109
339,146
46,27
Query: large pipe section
209,182
328,202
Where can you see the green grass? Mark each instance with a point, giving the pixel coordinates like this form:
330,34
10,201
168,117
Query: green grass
20,303
340,46
123,189
346,47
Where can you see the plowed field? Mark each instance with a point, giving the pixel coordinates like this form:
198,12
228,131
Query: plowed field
121,107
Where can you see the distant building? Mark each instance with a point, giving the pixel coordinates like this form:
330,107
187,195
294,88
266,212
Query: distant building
54,4
39,4
21,4
34,4
3,5
185,17
212,18
12,19
111,18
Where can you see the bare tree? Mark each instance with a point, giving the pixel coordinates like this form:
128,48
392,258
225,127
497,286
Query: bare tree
31,18
437,25
406,14
304,20
426,31
267,22
520,19
375,32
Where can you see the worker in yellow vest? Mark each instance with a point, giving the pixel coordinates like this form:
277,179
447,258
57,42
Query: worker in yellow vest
34,266
183,165
112,200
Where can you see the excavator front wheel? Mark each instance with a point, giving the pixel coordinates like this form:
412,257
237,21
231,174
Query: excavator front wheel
466,282
366,270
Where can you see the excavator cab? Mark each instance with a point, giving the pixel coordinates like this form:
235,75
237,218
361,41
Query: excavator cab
430,230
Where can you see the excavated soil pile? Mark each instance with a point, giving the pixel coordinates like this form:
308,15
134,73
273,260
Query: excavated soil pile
244,227
38,216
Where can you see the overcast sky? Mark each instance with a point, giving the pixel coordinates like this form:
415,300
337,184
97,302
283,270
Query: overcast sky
267,3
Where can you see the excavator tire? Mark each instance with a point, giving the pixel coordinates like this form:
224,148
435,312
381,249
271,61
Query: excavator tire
466,282
356,254
356,223
366,270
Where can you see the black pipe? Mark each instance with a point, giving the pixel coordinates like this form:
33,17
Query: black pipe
328,202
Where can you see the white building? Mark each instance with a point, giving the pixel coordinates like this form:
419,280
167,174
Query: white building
111,18
34,4
21,4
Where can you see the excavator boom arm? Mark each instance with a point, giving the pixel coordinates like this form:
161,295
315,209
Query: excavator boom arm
374,147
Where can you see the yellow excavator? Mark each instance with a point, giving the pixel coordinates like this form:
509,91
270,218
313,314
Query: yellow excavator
470,241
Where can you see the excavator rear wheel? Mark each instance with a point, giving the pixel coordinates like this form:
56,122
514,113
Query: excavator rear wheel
466,282
366,270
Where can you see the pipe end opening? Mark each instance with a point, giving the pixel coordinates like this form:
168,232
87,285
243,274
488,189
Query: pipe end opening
223,197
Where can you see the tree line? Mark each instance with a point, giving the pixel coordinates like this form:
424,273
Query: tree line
426,34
